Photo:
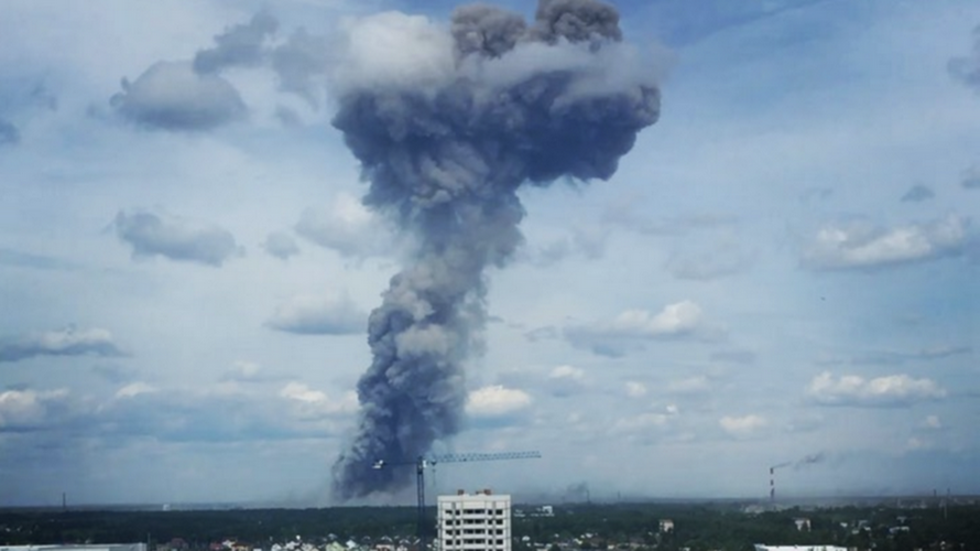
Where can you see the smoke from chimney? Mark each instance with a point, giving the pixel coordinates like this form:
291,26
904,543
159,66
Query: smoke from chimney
447,125
811,459
808,460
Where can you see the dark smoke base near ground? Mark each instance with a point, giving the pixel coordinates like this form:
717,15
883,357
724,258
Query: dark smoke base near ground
445,162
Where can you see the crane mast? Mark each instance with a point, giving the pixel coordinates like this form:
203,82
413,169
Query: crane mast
422,462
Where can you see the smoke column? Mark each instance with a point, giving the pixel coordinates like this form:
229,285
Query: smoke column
446,130
811,459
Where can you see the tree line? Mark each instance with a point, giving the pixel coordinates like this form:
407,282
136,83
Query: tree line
585,527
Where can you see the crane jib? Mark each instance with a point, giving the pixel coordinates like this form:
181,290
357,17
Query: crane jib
425,461
421,462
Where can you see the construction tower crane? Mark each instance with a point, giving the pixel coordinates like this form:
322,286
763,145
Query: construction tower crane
423,462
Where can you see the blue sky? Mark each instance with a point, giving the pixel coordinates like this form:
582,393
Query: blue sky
784,266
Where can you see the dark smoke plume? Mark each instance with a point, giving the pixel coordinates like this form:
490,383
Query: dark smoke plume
446,132
811,459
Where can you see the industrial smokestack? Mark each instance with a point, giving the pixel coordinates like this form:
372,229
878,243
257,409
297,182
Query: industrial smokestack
772,484
808,460
447,125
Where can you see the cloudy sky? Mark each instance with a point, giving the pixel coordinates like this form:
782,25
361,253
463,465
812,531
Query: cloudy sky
784,267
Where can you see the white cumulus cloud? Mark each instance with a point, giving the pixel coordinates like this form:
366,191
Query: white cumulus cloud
674,319
635,389
135,389
309,402
858,244
853,390
567,372
677,320
496,401
741,427
566,380
311,315
172,96
20,409
345,226
65,342
647,426
150,234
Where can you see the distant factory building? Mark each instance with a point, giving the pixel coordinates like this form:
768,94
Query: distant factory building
474,522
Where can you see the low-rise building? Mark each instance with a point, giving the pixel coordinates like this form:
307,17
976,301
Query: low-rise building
802,524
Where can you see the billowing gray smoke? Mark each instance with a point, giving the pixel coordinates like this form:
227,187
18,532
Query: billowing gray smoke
445,137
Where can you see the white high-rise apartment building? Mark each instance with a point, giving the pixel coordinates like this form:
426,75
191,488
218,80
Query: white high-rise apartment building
474,522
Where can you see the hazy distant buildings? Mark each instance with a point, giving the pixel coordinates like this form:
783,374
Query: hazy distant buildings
541,511
761,547
474,522
79,547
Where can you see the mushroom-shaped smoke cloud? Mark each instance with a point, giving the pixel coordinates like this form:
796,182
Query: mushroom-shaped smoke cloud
447,125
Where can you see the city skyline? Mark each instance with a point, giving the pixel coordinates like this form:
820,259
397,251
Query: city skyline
781,274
